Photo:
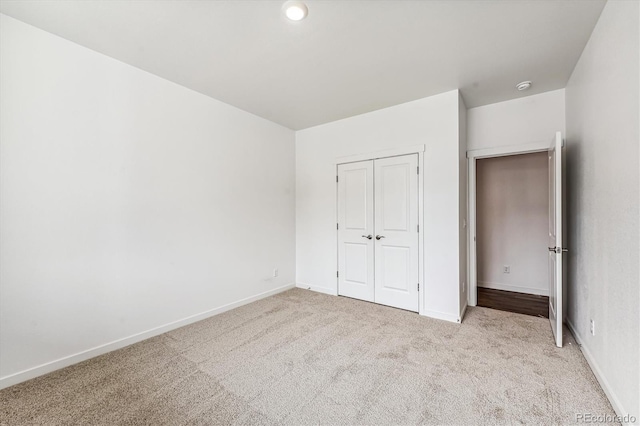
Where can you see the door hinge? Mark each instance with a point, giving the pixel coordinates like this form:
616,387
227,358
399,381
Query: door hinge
337,226
336,178
418,286
418,169
337,274
418,228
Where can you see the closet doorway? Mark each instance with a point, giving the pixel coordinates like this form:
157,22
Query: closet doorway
378,231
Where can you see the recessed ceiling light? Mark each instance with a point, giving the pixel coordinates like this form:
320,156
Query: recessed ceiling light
523,85
295,10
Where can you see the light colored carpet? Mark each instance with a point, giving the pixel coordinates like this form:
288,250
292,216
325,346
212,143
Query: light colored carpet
307,358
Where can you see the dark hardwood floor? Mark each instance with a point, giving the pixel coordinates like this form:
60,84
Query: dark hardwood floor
521,303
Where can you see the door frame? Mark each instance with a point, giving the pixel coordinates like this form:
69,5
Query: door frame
394,152
472,157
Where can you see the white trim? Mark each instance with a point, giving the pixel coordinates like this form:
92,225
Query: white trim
337,289
517,289
473,156
472,261
502,151
325,290
442,315
421,273
463,311
604,384
48,367
394,152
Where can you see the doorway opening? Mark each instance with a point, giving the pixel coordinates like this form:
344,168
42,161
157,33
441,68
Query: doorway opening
556,221
512,231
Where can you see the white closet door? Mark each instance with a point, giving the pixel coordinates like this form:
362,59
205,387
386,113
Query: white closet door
355,230
396,232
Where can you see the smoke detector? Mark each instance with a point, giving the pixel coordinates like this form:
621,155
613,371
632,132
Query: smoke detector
523,85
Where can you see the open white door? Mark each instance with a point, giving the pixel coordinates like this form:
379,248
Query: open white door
556,242
355,230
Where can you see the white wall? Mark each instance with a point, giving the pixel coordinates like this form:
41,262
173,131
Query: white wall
512,205
462,204
603,202
127,202
432,122
520,121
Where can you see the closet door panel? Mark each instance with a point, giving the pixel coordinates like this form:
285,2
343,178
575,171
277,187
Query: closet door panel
355,230
396,232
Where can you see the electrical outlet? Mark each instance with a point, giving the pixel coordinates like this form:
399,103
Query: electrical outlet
506,269
275,272
592,327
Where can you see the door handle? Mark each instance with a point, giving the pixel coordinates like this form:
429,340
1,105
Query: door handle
368,237
379,237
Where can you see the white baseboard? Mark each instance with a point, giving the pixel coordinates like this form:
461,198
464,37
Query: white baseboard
463,311
517,289
325,290
442,316
39,370
613,399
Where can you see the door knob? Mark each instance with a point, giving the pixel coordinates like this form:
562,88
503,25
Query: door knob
379,237
558,249
368,237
